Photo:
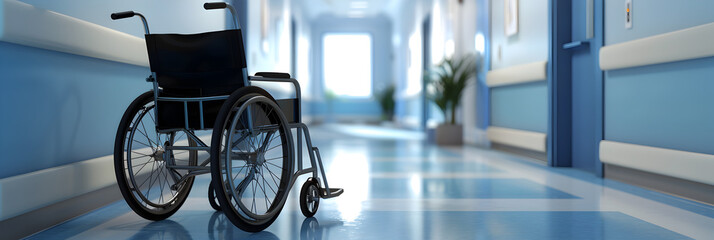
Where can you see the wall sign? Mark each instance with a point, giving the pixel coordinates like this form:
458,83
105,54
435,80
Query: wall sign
511,17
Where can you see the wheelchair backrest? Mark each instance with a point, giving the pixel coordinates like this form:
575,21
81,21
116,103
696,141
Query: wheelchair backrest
196,65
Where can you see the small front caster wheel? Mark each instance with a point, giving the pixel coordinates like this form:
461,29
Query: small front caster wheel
212,197
310,197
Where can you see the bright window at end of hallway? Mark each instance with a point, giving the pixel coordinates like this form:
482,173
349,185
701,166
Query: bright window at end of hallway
347,64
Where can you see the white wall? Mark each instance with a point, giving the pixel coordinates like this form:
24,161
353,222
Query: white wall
464,38
408,45
268,36
164,16
530,44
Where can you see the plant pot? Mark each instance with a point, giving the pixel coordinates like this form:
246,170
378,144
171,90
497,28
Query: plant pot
449,134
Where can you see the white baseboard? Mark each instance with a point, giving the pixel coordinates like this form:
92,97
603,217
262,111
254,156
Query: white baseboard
24,193
341,118
476,136
410,122
691,166
518,138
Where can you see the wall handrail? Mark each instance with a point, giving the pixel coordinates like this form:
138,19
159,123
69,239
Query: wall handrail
27,25
534,141
524,73
685,44
669,162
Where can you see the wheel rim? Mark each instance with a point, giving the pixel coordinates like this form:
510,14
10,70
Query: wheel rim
313,198
146,157
256,168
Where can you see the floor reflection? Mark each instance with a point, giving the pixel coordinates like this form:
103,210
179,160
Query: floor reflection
165,229
311,229
219,228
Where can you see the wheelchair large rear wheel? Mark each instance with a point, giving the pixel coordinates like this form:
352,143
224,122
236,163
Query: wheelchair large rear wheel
141,158
251,159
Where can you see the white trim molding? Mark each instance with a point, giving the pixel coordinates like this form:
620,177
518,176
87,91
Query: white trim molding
691,166
30,191
518,138
27,25
530,72
685,44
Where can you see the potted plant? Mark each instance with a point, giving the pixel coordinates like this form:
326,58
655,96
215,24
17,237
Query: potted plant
385,98
445,85
330,97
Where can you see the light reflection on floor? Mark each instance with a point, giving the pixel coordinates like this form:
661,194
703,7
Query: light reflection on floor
398,187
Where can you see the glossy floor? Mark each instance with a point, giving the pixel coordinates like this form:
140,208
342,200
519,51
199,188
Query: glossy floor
398,187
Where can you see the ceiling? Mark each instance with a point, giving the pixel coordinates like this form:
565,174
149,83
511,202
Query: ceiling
347,8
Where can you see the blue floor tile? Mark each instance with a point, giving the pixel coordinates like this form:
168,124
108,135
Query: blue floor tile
431,167
398,225
462,188
498,225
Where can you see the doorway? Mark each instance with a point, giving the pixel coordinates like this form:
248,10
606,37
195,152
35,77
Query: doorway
347,64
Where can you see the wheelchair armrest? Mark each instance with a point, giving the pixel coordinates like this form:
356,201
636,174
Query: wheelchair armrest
276,77
272,74
281,78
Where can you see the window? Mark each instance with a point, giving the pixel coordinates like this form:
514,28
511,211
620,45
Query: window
347,64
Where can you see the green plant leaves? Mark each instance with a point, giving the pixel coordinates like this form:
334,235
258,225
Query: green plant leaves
447,81
387,102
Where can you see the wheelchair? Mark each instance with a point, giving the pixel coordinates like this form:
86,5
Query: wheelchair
200,83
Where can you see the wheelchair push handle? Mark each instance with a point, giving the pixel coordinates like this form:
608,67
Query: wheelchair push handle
128,14
223,5
120,15
214,5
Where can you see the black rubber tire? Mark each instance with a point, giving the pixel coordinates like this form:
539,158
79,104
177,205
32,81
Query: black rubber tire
225,201
212,197
124,125
304,194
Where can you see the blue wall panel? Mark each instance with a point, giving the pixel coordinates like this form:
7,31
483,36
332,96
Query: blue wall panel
345,108
523,107
667,105
59,108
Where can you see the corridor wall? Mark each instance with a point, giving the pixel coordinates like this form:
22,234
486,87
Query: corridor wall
518,90
659,99
66,80
267,33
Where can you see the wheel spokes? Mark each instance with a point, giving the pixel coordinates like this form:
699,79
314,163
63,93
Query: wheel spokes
251,136
152,183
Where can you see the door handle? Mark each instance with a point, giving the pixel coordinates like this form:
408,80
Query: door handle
576,45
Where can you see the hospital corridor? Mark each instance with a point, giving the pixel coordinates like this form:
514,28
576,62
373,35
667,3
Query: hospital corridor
356,119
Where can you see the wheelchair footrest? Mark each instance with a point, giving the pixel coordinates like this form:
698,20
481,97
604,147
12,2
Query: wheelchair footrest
333,192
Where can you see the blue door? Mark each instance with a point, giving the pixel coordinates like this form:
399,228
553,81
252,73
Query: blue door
576,84
587,88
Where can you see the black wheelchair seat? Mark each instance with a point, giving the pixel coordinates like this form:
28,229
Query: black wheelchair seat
197,65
